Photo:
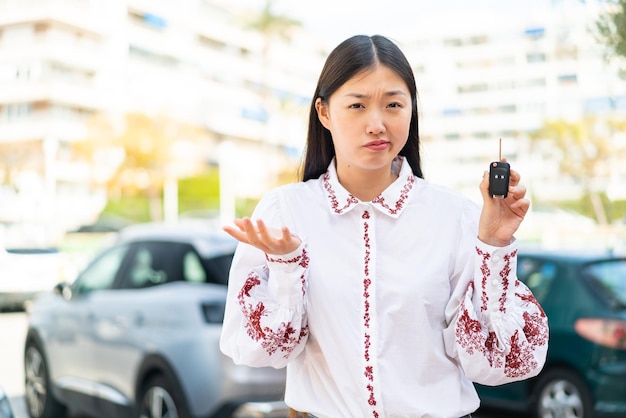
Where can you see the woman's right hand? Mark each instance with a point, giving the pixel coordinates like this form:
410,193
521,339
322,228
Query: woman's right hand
269,240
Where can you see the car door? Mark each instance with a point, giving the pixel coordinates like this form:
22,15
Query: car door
125,317
69,343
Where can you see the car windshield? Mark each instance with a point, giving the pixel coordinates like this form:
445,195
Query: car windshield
610,276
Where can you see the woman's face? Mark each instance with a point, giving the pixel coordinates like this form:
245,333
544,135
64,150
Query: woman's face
369,118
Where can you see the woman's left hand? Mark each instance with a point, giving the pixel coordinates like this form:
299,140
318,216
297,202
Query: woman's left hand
500,217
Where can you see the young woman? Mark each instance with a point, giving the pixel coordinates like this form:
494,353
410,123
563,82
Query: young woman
382,294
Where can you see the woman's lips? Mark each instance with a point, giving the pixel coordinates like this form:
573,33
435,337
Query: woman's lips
377,145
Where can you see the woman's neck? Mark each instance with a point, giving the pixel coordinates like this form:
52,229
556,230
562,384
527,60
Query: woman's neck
365,185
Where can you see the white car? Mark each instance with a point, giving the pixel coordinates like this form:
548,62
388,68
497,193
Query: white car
137,335
28,271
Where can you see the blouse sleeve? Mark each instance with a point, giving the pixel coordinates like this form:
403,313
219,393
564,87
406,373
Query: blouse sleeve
265,318
496,328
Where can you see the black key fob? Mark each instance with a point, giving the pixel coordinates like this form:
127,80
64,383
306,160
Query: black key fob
499,174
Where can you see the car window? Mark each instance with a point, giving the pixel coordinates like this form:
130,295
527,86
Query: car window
192,267
145,269
151,264
101,273
219,268
610,276
537,275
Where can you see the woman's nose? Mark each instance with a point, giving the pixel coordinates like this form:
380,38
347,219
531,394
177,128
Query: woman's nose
375,122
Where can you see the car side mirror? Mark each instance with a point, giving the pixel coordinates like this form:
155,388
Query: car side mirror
63,289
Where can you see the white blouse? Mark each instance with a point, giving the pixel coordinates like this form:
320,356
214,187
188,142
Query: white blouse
389,308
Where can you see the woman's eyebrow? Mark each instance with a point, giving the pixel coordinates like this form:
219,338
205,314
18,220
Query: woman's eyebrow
387,93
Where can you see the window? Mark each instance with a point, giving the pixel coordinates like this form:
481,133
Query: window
101,273
472,88
533,57
192,268
537,275
568,79
608,276
151,264
535,32
142,273
219,268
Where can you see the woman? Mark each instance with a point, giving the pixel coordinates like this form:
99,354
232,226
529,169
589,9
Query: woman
382,294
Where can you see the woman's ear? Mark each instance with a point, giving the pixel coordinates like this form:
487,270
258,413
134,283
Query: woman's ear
322,112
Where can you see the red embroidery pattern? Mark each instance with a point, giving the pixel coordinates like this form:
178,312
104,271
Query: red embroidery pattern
484,269
504,276
351,200
283,339
379,200
302,260
469,336
530,298
369,369
520,360
404,194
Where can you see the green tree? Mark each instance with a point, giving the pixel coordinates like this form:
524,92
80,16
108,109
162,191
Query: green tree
611,29
588,150
144,146
272,26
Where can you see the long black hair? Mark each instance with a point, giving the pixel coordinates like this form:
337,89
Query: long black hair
352,56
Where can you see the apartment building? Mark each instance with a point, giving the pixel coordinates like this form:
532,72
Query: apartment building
481,77
484,76
62,62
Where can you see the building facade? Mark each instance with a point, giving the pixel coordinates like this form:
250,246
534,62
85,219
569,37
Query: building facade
65,62
484,76
481,77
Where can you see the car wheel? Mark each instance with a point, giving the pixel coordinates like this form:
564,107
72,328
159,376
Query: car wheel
40,402
159,399
562,393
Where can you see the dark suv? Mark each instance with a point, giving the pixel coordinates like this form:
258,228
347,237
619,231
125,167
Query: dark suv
584,297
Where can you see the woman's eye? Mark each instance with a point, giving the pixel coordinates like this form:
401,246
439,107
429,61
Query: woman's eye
356,106
395,105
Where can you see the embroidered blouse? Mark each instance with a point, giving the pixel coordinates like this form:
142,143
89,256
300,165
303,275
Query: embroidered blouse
389,308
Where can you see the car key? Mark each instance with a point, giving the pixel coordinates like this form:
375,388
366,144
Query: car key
499,175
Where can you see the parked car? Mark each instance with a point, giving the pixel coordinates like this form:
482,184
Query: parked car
584,297
28,271
5,407
137,334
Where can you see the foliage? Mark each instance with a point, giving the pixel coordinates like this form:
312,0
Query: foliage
134,208
587,148
145,146
616,210
272,25
199,193
611,28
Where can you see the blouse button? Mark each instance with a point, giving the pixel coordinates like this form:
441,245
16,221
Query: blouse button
496,259
495,282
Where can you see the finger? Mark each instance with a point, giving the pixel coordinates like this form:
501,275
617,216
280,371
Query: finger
264,232
520,207
235,233
286,234
240,224
518,191
250,231
514,178
484,187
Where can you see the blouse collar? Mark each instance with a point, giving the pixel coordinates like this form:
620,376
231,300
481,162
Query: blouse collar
391,201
